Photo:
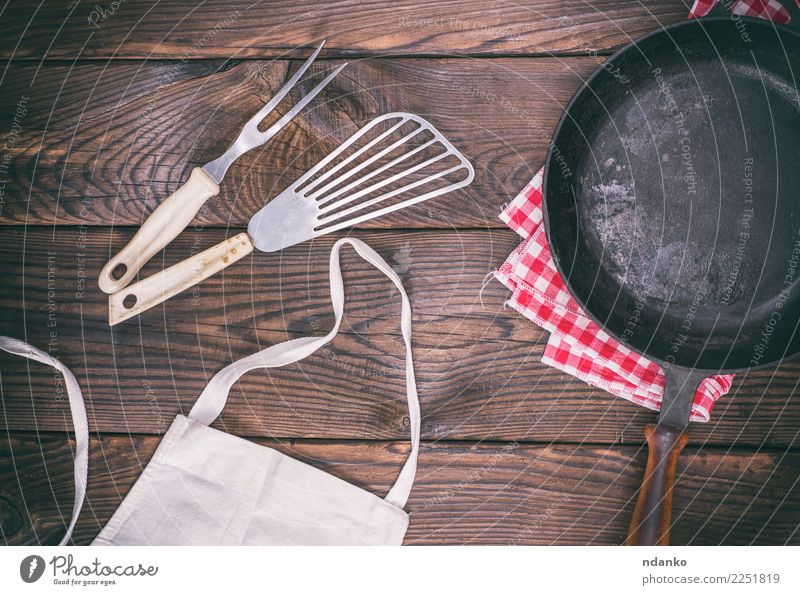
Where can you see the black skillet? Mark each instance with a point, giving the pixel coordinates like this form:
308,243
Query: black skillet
672,209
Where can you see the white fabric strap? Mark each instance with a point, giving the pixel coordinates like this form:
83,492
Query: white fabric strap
213,398
79,420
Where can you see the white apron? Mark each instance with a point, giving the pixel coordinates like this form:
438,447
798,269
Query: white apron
207,487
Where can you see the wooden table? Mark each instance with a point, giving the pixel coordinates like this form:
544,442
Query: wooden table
120,103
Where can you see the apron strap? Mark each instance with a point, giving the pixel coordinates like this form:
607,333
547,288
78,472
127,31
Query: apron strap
213,398
79,420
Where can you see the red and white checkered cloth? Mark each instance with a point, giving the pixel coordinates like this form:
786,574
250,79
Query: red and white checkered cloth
577,345
771,10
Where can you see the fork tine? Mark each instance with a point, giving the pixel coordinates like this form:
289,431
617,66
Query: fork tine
270,105
273,130
251,137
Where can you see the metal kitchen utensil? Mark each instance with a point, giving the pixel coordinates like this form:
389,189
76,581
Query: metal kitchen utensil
672,213
395,161
177,211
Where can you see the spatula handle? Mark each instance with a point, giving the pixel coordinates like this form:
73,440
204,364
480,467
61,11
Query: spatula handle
162,226
161,286
652,517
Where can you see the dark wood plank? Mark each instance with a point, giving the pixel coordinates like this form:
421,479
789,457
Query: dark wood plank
478,367
243,28
104,144
473,494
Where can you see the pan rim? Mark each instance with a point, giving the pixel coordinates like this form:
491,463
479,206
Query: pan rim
701,22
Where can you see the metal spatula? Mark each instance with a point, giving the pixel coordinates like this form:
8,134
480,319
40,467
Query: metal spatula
393,162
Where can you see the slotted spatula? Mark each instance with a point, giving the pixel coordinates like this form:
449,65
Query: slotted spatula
395,161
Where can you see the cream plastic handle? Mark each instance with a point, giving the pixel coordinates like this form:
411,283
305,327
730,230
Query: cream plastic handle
149,292
162,226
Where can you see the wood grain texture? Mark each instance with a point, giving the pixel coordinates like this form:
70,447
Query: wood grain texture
107,111
478,367
243,28
476,494
104,144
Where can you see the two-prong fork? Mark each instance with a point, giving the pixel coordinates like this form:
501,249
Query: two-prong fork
172,216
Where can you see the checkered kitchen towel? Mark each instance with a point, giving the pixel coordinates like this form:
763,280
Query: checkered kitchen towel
771,10
577,345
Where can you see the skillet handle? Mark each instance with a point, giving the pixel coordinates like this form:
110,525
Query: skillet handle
653,514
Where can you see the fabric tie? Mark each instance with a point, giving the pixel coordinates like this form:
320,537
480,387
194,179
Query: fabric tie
79,420
212,400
